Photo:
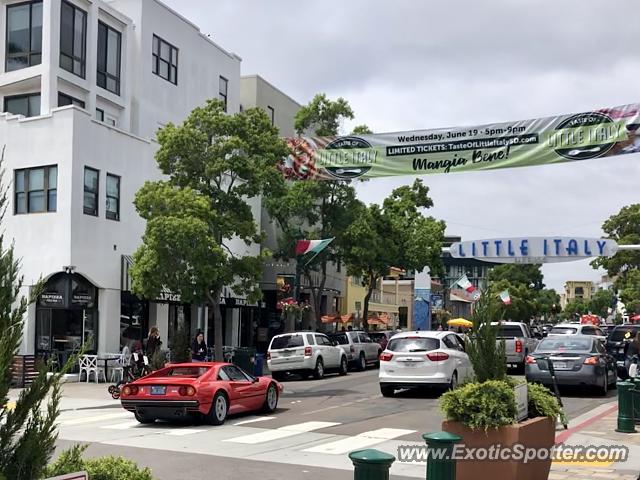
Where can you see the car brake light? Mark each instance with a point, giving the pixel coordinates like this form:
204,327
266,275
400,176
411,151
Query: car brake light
186,391
130,390
268,355
385,357
307,351
437,356
530,360
592,361
518,346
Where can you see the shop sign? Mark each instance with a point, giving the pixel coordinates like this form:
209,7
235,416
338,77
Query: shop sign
82,299
167,296
534,249
52,299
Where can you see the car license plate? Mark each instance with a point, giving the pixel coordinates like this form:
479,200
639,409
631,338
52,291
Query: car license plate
559,365
287,353
156,390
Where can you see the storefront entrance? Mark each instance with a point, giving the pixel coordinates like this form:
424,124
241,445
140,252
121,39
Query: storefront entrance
66,317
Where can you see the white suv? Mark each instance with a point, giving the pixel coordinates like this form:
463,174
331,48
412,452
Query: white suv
307,353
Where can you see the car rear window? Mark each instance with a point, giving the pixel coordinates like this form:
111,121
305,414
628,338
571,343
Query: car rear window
620,333
339,338
413,344
565,344
287,341
189,372
509,331
564,330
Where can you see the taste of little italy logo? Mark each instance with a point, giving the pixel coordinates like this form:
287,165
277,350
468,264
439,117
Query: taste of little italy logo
348,143
583,136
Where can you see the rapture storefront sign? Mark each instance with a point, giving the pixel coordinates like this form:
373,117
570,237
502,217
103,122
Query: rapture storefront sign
534,249
601,133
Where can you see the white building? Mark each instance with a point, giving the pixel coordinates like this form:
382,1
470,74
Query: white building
84,85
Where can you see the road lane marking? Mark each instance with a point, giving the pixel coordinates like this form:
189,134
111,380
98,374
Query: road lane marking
121,426
253,420
183,431
92,419
282,432
342,405
362,440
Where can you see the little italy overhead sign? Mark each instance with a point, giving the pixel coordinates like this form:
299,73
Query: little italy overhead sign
534,249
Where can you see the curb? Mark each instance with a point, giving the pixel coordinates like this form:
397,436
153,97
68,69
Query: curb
589,419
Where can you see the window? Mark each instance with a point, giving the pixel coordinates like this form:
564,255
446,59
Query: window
286,341
272,116
36,190
27,105
322,340
73,39
109,43
91,178
113,197
100,114
235,374
223,88
413,344
64,99
165,60
24,35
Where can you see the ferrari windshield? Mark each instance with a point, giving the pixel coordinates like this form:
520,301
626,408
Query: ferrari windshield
185,372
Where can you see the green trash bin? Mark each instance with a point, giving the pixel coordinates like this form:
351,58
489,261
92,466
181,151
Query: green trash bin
245,358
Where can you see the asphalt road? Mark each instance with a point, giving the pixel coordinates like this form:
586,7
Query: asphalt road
317,423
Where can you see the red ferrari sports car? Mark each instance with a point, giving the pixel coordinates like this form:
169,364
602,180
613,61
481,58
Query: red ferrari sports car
205,390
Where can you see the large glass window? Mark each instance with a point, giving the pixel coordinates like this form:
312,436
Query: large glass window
64,99
27,105
24,35
165,60
91,179
73,39
113,197
36,190
223,89
109,43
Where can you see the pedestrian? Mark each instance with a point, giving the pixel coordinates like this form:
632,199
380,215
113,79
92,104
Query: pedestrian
440,327
199,348
343,329
153,342
632,350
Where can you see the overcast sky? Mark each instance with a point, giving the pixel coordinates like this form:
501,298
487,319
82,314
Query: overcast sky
407,64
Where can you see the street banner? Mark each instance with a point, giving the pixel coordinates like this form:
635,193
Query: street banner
466,285
597,134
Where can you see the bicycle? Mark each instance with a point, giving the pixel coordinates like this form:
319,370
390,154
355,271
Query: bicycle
139,368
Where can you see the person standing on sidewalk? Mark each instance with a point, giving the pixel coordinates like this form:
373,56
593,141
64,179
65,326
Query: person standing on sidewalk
153,342
633,350
199,348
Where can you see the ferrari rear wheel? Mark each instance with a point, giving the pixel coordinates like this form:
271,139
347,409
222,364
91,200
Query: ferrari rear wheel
143,418
219,409
271,400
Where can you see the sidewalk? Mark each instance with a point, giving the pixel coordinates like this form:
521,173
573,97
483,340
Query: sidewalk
80,395
597,428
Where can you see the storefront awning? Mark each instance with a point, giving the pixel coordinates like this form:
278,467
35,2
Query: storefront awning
383,307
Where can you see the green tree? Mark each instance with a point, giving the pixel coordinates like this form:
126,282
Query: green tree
396,235
487,354
27,433
529,275
322,116
630,291
624,228
215,163
548,302
181,346
600,303
361,130
575,308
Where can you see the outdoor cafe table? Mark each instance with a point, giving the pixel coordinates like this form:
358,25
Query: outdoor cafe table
107,358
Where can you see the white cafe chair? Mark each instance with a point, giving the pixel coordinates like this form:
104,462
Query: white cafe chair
89,364
117,371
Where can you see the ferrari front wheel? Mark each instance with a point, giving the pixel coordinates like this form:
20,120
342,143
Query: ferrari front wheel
219,409
271,400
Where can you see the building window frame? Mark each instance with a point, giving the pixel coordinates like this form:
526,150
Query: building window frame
90,190
103,74
111,215
223,93
31,52
71,56
49,191
171,64
272,114
27,96
71,100
100,114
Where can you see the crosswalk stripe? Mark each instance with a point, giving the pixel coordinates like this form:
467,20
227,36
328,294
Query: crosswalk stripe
183,431
121,426
282,432
253,420
363,440
92,419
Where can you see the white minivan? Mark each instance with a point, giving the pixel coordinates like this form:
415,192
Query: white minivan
305,353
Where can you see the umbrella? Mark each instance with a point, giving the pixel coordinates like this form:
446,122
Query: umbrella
460,322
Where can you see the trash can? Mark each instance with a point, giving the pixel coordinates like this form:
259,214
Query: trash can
258,367
245,357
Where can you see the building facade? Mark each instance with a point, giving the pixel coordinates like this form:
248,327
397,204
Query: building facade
576,290
84,86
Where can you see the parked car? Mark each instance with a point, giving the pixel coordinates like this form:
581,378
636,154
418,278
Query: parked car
306,353
519,341
423,359
577,360
578,329
359,348
206,390
382,337
618,340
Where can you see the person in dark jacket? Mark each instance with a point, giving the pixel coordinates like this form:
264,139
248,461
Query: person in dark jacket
632,350
199,348
153,342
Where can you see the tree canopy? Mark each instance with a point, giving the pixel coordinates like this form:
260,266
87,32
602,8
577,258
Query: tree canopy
322,115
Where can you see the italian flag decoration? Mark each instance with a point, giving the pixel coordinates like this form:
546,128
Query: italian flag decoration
312,247
465,284
504,296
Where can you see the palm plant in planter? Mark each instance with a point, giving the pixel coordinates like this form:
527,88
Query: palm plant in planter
484,412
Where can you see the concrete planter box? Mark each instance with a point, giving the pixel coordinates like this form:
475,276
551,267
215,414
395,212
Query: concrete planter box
533,433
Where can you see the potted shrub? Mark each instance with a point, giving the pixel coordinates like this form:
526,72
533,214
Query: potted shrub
483,412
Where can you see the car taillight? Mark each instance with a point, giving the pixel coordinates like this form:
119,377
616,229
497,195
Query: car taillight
518,346
385,357
530,360
437,356
130,390
186,391
307,351
592,361
268,355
